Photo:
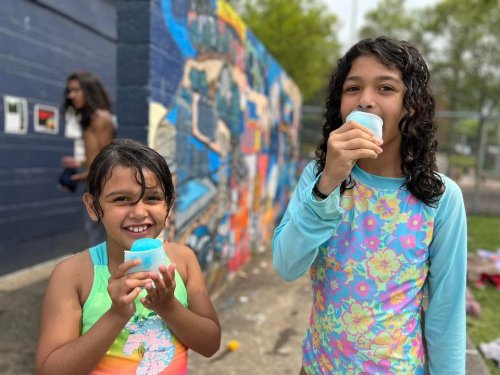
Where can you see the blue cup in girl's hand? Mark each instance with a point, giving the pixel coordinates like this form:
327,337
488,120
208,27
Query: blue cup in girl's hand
151,253
368,120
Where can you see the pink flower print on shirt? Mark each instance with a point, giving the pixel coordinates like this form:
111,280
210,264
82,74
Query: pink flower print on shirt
408,241
383,265
417,349
368,223
364,290
415,222
380,368
411,200
372,242
342,347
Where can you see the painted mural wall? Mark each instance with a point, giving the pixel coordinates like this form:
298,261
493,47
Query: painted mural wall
226,117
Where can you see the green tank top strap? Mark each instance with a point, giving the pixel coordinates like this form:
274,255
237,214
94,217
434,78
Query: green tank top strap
99,254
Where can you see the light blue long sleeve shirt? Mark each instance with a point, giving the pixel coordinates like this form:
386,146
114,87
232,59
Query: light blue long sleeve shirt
310,230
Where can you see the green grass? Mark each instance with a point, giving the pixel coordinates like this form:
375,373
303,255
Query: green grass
484,233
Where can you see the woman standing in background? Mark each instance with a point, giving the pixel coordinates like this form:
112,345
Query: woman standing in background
87,99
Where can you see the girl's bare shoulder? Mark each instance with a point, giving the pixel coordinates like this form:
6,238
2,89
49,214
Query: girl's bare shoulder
102,118
74,270
183,257
102,114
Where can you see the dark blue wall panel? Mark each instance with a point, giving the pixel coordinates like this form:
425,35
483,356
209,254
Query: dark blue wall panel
41,43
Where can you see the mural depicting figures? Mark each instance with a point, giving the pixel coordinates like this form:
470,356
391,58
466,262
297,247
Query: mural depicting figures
226,117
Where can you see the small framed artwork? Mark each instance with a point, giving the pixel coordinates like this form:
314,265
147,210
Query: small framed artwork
16,115
46,119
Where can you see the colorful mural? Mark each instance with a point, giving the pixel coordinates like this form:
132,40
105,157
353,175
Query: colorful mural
226,117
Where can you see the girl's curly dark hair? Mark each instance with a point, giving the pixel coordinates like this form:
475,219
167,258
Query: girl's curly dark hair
417,127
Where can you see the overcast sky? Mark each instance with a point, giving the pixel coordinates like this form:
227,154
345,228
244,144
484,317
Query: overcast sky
351,15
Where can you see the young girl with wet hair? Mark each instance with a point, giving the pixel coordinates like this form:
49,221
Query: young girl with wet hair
99,318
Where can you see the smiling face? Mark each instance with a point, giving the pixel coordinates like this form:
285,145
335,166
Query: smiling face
372,87
75,94
126,215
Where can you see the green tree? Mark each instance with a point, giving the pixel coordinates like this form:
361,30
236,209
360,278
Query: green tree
466,55
300,34
465,63
392,18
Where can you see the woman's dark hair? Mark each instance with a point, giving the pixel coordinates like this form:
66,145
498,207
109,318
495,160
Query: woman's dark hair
95,94
130,154
417,127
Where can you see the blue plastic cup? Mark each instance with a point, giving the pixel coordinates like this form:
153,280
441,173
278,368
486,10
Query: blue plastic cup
368,120
151,253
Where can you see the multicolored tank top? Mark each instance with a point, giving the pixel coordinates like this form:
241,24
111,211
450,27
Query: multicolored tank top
368,284
145,345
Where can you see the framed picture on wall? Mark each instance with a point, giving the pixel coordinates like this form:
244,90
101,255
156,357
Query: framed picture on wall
16,115
46,119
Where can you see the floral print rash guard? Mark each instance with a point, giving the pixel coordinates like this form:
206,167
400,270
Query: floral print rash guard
371,252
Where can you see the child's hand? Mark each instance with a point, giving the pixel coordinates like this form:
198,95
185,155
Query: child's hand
161,296
124,289
346,145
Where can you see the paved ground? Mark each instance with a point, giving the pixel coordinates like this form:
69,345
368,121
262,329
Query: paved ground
266,315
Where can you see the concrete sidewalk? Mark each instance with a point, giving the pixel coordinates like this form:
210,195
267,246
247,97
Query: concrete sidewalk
264,314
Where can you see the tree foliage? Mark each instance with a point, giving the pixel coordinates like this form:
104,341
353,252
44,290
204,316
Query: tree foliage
300,34
393,19
467,53
461,41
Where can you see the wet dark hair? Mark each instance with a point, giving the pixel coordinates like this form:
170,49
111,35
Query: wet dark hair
417,127
131,154
95,94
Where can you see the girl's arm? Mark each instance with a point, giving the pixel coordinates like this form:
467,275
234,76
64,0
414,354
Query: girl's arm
445,316
197,326
306,225
61,349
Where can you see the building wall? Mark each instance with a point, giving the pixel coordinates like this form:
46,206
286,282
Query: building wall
42,42
189,79
225,116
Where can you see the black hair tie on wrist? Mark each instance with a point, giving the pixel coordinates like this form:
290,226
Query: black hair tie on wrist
318,193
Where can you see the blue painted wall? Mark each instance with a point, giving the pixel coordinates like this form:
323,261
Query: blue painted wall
41,43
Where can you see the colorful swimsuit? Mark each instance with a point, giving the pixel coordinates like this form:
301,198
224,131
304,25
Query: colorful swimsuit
370,252
145,345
